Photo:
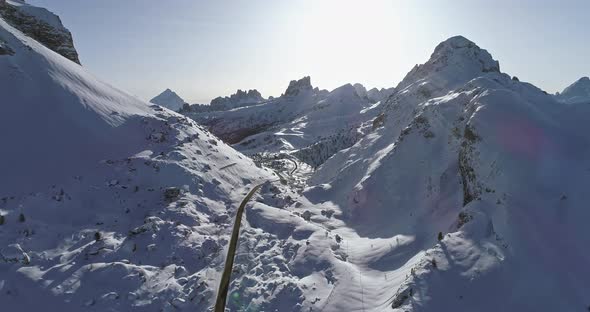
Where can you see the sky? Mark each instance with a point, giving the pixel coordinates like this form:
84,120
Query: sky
203,49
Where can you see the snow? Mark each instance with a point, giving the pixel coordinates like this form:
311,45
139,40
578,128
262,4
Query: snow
576,93
57,110
485,147
107,202
309,123
169,99
459,190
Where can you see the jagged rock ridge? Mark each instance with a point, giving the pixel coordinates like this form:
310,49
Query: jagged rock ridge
297,86
41,25
238,99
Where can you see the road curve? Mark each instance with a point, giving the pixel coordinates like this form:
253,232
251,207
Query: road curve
294,169
229,260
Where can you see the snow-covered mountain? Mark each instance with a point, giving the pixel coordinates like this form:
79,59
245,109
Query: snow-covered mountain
577,92
169,99
491,164
41,25
106,202
461,189
312,124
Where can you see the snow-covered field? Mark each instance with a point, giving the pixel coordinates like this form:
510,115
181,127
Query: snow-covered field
461,189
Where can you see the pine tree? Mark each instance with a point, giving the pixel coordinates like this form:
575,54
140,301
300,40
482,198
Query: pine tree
440,236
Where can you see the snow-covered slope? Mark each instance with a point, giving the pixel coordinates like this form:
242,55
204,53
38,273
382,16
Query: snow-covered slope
41,25
56,118
490,163
578,92
107,203
169,99
463,190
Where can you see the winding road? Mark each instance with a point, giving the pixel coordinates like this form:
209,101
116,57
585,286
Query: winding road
233,243
294,169
229,260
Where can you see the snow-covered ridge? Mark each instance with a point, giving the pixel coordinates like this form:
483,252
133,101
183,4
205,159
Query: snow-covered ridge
106,201
578,92
59,111
41,25
466,164
453,62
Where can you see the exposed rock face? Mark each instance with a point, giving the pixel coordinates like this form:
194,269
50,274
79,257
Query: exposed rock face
238,99
297,86
41,25
374,95
5,49
360,90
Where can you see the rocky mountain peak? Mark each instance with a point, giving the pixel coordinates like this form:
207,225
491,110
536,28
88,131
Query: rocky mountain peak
246,94
360,90
454,61
461,49
238,99
296,86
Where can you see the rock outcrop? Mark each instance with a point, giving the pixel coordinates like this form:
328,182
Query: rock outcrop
297,86
238,99
5,49
41,25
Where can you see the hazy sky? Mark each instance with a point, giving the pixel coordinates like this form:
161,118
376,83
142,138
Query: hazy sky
203,49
